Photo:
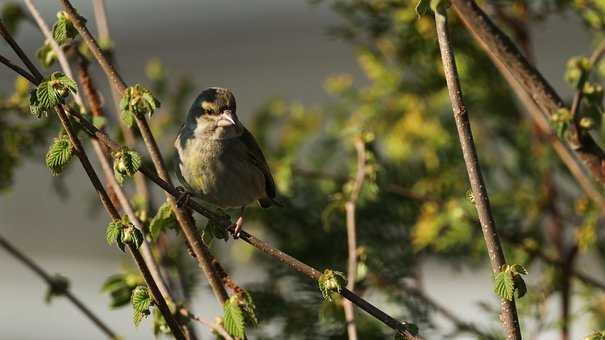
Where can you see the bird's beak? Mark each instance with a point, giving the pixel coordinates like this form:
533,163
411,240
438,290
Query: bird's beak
226,118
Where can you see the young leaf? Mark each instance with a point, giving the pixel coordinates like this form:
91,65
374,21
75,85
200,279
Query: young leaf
59,154
504,285
46,55
138,100
163,220
113,232
331,282
159,323
248,308
141,301
63,29
234,318
126,163
132,236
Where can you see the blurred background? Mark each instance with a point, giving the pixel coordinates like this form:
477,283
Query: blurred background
305,75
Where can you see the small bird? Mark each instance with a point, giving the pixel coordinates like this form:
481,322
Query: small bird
218,159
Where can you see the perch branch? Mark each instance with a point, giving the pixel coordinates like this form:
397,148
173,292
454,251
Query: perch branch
508,314
193,238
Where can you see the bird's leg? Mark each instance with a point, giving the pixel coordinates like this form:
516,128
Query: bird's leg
184,197
237,227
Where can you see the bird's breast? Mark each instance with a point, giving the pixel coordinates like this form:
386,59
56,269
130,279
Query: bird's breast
220,172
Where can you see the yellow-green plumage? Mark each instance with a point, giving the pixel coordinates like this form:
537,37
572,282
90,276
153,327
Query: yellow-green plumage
219,162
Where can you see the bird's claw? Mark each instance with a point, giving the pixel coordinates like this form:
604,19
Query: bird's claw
184,197
236,228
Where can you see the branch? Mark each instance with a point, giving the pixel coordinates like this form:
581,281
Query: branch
310,272
508,315
594,60
245,236
201,251
350,207
4,243
17,69
498,45
94,179
213,326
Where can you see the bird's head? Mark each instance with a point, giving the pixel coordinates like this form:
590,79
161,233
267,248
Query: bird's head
213,115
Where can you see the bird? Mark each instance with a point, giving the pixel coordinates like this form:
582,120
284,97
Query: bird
218,160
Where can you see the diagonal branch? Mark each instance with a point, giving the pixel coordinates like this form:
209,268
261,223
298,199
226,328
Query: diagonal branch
201,251
11,249
508,314
94,179
89,128
500,47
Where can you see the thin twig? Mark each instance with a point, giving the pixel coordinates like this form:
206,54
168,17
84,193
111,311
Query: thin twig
17,68
201,251
94,179
140,183
350,207
508,315
496,43
11,249
311,272
594,60
89,90
213,326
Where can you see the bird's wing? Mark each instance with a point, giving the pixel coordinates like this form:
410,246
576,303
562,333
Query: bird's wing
257,158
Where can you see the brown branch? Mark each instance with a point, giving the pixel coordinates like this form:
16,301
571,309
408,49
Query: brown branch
350,207
94,179
193,238
213,326
17,68
508,315
311,272
496,43
245,236
11,249
140,183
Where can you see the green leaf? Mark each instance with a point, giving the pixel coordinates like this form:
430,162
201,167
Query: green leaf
248,308
159,323
132,236
63,29
504,285
138,100
518,269
59,154
234,318
127,117
520,286
141,301
331,282
57,287
51,91
126,163
46,55
163,220
114,232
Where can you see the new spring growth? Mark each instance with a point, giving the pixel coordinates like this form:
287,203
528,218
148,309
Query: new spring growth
125,164
123,233
50,93
331,282
137,100
509,280
239,312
